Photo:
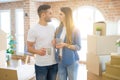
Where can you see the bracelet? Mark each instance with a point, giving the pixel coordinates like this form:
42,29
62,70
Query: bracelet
68,46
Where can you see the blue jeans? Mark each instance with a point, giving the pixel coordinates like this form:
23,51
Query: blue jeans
46,72
69,72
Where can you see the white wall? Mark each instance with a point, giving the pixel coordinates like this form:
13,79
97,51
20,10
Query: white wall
111,28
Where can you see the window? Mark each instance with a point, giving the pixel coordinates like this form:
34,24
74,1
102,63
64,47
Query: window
84,17
19,18
118,27
5,22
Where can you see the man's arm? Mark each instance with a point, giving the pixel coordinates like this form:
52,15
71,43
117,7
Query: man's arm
31,49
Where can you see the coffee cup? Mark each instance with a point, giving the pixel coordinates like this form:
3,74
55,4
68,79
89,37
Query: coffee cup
58,40
49,51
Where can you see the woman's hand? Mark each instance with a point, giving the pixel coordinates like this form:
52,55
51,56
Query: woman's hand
60,45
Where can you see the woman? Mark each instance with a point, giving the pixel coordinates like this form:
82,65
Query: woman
66,53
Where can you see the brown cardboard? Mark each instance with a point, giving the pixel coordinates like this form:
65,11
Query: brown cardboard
113,70
8,74
23,72
115,59
106,76
96,46
102,45
93,64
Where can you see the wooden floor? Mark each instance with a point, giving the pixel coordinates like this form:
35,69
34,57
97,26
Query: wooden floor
91,76
83,74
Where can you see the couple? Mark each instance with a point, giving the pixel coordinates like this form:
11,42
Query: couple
62,59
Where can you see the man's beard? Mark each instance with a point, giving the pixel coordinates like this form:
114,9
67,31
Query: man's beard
48,20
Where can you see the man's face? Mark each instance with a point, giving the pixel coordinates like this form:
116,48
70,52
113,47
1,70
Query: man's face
48,15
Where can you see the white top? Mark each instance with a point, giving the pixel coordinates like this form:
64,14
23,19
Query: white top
63,34
43,36
62,37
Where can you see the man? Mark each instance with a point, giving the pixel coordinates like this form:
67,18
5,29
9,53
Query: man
39,42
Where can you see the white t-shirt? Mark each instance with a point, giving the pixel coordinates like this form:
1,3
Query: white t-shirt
42,36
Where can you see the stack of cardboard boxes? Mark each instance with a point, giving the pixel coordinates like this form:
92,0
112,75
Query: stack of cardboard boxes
112,68
99,49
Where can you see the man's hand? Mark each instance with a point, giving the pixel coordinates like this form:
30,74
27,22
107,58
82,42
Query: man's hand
41,52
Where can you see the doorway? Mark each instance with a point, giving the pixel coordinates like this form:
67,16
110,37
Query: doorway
84,17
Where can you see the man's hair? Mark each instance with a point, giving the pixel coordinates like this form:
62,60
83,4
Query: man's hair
43,8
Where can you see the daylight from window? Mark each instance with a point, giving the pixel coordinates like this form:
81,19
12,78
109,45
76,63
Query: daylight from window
119,27
5,23
19,17
84,17
5,20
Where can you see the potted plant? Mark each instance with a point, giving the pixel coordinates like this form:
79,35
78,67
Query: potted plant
98,30
118,46
11,48
12,42
118,43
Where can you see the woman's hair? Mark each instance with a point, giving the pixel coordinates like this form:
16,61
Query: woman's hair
68,24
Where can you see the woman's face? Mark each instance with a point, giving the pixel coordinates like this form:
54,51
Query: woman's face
61,16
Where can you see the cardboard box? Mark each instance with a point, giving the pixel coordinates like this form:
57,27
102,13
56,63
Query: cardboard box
8,74
102,45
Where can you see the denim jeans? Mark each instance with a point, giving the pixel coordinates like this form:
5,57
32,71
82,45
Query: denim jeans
69,72
46,72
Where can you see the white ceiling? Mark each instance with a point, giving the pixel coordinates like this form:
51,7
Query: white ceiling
4,1
49,0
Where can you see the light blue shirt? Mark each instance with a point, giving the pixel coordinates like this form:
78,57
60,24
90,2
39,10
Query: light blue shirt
69,56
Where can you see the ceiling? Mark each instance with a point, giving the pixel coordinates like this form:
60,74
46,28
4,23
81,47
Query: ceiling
4,1
49,0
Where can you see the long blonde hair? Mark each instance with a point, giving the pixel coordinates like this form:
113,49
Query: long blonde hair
68,24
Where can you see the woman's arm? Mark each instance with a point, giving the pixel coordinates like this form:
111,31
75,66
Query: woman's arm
76,40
